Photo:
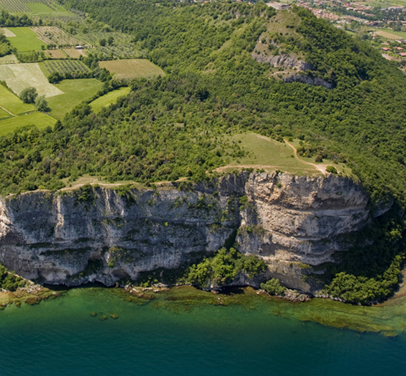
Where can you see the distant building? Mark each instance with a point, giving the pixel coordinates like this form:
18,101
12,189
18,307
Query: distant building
80,47
386,49
402,54
278,6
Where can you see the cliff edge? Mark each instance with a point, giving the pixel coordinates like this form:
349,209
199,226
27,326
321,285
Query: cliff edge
105,235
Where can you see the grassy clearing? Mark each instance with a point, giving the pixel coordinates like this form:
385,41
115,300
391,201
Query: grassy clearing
25,39
4,114
12,103
74,93
132,68
269,155
109,98
39,119
21,76
341,167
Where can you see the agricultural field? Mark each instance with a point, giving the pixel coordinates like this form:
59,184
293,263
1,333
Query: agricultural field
109,98
20,76
39,119
64,66
54,35
4,114
390,34
131,68
25,39
12,103
31,6
14,6
6,32
56,54
8,59
74,93
74,53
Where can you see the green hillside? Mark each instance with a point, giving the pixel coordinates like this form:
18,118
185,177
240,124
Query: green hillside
214,87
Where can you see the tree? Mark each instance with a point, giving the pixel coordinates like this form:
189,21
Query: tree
29,95
102,42
42,104
110,40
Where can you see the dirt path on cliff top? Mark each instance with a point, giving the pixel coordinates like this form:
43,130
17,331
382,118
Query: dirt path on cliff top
321,168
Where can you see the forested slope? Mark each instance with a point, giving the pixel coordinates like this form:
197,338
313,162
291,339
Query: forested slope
177,125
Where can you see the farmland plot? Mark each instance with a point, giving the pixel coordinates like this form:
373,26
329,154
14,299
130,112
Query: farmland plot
39,119
74,53
131,68
24,6
20,76
25,39
65,66
6,32
56,54
11,103
14,6
8,59
54,35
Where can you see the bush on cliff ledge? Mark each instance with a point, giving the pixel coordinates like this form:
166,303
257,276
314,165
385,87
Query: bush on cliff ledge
9,281
223,268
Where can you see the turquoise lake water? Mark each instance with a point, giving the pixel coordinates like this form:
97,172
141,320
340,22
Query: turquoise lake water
60,337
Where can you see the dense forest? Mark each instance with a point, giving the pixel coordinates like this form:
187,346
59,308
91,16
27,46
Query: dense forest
177,125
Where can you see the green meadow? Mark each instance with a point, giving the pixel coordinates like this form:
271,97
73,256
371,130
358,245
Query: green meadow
12,103
74,93
25,39
4,114
270,155
39,119
109,98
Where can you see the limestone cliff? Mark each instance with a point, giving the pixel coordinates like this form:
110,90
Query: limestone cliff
105,235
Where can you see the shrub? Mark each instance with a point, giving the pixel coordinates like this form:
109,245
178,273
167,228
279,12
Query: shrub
223,268
273,287
29,95
331,169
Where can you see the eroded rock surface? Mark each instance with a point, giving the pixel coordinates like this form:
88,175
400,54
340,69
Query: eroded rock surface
287,220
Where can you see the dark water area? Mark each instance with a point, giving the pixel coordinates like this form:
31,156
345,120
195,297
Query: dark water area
163,337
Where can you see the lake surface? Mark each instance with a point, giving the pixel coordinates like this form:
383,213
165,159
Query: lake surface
172,336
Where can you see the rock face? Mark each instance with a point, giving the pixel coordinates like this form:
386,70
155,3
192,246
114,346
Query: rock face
286,61
105,235
315,81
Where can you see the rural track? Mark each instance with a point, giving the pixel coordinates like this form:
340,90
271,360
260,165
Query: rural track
322,169
5,110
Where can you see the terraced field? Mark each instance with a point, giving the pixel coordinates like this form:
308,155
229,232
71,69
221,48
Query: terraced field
64,66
